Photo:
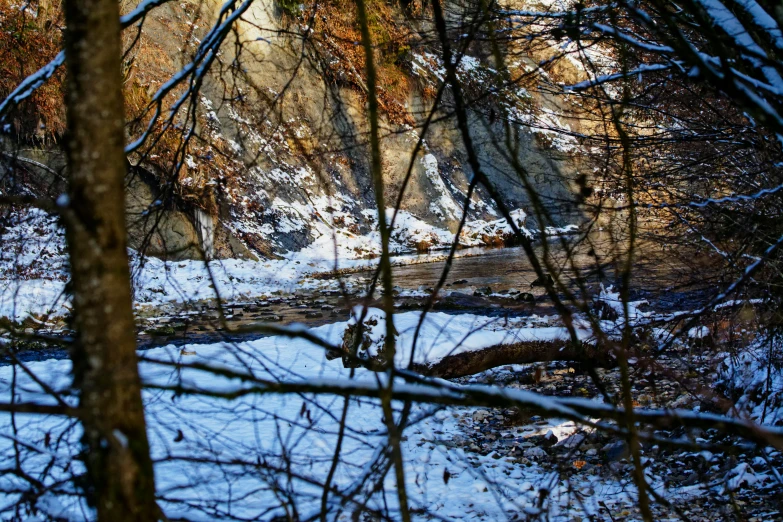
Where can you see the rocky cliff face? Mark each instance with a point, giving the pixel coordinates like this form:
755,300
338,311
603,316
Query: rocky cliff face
268,147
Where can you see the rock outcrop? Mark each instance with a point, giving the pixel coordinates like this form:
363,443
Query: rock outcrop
273,149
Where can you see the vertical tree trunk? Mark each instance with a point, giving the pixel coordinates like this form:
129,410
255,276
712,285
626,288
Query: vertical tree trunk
120,480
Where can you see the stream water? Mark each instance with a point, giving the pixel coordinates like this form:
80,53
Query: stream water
657,275
657,278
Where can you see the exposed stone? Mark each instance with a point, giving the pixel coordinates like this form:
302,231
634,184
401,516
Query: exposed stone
525,297
534,452
480,415
615,451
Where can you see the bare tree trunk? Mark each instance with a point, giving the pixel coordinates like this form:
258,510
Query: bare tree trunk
120,480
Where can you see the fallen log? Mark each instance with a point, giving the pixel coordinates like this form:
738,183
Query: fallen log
364,346
524,352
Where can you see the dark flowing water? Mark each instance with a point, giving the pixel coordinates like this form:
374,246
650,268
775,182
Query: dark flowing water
658,277
583,264
657,274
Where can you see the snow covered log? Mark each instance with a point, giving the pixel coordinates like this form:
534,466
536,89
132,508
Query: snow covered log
477,346
524,352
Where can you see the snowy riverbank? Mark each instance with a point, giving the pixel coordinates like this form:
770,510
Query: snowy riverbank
211,437
34,267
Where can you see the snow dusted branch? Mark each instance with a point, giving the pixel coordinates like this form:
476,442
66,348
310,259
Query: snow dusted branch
438,391
42,203
37,408
617,76
732,198
194,71
30,84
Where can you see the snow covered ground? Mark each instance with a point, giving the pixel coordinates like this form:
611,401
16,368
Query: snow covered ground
256,455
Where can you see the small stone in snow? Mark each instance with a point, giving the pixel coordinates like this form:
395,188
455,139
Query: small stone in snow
535,452
480,415
616,450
